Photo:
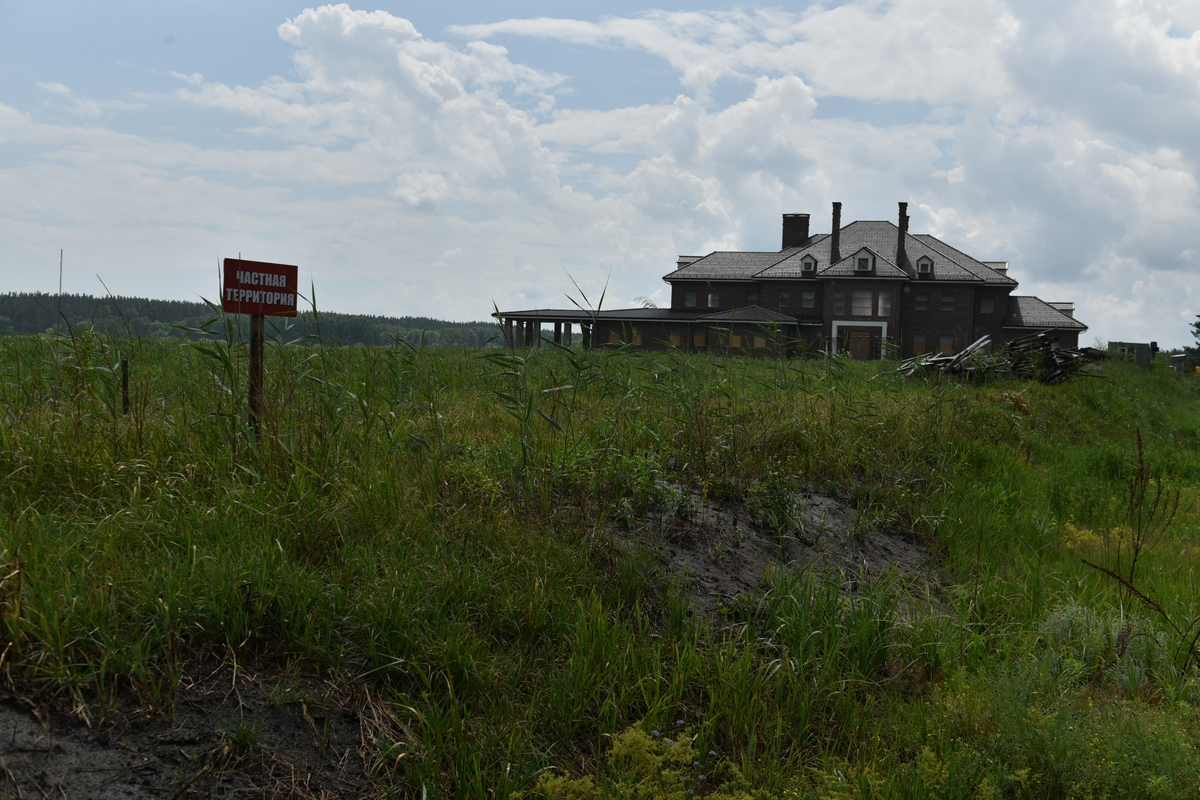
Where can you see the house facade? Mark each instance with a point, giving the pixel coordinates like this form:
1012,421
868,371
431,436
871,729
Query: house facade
866,289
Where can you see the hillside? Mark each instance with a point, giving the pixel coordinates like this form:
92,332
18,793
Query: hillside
583,574
26,313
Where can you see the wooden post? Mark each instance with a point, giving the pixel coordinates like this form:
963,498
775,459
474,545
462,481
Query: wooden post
256,372
124,386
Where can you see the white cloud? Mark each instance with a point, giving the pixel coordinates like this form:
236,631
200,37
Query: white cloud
431,177
83,106
195,79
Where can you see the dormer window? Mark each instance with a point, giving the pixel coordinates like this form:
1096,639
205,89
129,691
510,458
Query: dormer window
808,264
924,265
864,262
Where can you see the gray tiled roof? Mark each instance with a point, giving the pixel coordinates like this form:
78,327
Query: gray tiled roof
1030,312
979,268
748,314
729,265
876,235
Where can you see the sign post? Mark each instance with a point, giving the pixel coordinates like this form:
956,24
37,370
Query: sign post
260,289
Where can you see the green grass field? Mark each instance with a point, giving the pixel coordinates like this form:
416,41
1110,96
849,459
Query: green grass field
434,524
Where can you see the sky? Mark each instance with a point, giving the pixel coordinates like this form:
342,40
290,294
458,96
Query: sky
448,159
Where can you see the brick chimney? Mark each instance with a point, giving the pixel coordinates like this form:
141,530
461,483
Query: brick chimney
901,256
795,230
835,252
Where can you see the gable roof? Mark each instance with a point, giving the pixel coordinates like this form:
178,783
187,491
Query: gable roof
1025,311
845,268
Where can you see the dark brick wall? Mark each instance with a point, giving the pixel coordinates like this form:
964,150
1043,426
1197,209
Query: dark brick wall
990,324
770,295
966,323
933,322
733,295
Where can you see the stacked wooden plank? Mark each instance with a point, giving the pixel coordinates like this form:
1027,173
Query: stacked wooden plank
1036,356
952,364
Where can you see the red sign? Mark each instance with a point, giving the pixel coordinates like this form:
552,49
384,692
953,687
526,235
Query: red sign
256,287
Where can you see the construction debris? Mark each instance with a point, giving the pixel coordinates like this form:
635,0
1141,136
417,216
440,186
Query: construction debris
1034,357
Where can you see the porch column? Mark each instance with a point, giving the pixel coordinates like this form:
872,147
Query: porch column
567,334
558,333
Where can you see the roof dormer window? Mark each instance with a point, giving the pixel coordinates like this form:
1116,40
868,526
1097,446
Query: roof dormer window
808,264
924,265
864,262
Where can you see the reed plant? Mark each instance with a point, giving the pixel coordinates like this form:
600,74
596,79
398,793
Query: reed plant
437,525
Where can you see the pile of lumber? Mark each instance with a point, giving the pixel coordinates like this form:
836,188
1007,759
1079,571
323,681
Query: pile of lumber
1035,357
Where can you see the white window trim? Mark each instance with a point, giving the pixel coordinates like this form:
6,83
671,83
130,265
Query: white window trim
924,265
851,323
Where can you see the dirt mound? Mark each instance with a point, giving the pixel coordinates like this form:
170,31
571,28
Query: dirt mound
719,550
232,733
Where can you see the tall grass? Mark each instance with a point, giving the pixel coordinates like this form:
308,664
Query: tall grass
435,523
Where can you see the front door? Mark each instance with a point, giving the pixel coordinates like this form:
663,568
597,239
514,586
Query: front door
862,345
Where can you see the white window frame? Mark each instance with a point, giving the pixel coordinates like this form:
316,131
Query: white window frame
924,265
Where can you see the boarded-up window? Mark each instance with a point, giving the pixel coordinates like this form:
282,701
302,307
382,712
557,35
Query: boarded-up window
860,302
699,340
676,335
637,334
946,345
735,341
919,344
613,337
760,341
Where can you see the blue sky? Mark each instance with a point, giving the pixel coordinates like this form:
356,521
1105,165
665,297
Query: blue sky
434,159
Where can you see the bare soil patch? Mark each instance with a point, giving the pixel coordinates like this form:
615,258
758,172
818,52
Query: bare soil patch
232,733
718,552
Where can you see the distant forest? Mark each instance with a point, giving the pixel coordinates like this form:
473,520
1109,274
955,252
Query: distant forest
37,312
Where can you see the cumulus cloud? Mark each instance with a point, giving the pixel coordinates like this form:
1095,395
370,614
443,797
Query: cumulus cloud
438,176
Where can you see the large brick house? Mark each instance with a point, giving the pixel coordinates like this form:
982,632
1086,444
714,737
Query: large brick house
867,289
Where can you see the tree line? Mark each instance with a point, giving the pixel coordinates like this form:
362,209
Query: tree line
141,317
